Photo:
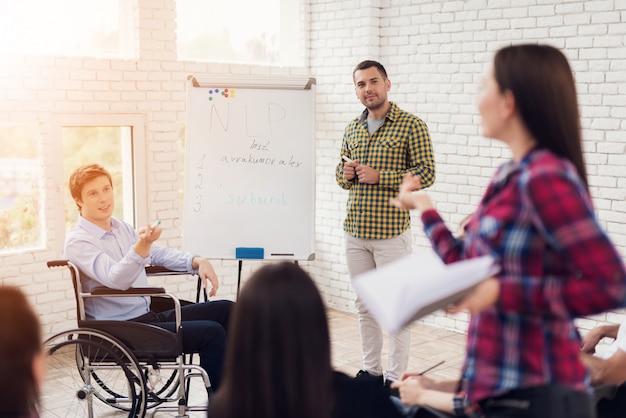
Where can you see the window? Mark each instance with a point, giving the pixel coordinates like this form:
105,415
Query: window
241,31
102,28
20,190
109,146
115,141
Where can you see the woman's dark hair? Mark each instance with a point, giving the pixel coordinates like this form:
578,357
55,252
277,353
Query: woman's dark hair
278,361
540,79
20,342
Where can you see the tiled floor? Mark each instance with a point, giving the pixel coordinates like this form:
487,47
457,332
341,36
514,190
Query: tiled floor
428,347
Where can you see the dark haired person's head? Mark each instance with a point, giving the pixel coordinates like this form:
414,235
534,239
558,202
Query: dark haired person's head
278,362
364,65
542,83
21,356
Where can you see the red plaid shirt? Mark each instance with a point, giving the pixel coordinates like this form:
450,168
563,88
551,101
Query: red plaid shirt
537,220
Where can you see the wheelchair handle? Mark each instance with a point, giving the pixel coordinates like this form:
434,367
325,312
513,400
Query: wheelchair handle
57,263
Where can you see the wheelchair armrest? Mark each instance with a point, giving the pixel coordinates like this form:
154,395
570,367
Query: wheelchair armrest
102,291
133,291
163,271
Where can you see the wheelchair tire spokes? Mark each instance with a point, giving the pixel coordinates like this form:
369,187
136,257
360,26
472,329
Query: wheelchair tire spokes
97,372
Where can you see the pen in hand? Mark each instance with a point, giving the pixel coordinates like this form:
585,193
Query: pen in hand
431,367
407,375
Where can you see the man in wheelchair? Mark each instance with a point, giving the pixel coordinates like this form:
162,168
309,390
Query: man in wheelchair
607,367
109,252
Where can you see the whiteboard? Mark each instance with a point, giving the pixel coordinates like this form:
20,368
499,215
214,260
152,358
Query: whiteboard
250,168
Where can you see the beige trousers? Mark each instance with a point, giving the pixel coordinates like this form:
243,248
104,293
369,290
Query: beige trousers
363,255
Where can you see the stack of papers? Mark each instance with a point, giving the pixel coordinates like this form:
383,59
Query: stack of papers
417,285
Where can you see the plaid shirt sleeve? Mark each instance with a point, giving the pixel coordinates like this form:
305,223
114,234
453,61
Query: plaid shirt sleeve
590,276
448,247
341,180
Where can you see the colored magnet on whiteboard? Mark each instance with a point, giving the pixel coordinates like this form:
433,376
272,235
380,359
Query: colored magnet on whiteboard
250,252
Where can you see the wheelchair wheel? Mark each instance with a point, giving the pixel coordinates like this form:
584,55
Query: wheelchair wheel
89,373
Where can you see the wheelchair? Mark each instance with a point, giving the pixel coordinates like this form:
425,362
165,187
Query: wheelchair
130,366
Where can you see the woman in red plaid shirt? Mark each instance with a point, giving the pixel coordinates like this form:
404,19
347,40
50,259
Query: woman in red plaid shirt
556,263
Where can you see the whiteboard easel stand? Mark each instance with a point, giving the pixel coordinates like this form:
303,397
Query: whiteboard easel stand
239,277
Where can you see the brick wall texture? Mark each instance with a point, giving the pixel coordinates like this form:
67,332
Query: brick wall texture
435,53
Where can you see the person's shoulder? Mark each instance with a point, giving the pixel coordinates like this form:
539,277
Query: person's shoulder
78,231
357,120
361,398
353,123
542,163
401,115
348,384
74,229
544,159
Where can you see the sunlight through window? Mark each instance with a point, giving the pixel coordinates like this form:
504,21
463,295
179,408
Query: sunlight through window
240,31
101,28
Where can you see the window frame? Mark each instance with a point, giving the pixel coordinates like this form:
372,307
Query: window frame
134,161
41,241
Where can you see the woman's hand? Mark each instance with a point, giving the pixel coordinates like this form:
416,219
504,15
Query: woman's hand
412,390
407,199
591,339
415,390
426,382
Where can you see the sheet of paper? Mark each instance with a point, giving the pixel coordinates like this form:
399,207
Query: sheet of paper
417,285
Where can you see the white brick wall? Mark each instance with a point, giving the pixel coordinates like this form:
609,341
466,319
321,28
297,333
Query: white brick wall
435,53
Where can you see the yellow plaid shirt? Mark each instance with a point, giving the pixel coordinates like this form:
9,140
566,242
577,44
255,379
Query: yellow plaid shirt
400,145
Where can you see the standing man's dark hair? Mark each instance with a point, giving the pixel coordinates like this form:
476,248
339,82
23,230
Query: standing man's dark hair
378,148
364,65
21,355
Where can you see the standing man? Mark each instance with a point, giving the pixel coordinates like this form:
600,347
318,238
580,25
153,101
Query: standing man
378,149
109,252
